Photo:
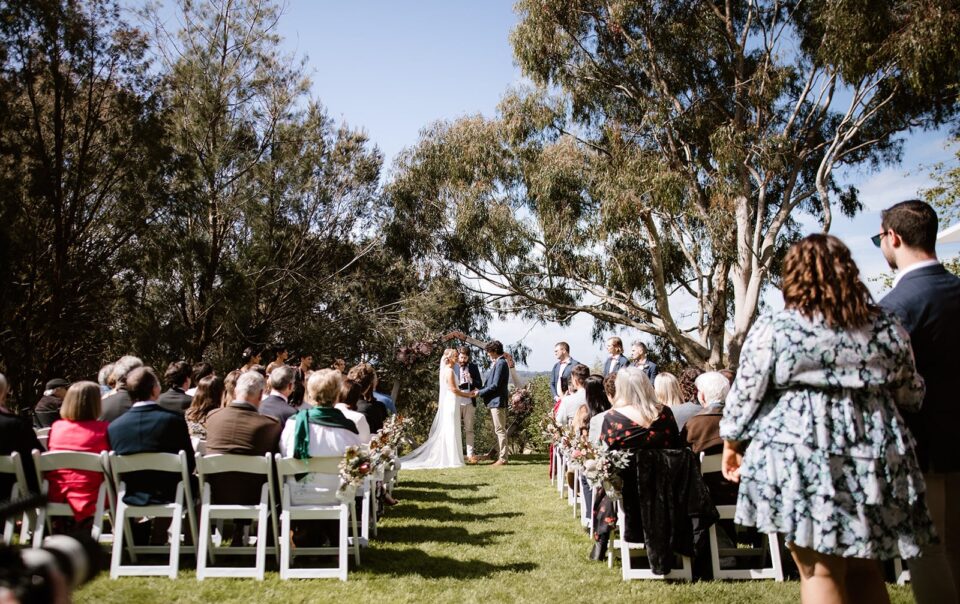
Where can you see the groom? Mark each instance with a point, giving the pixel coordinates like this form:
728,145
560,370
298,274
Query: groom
494,393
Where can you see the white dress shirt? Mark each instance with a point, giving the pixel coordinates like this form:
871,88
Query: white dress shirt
569,405
557,386
363,427
915,266
324,442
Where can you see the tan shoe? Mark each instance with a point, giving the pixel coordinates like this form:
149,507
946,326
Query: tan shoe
499,462
472,460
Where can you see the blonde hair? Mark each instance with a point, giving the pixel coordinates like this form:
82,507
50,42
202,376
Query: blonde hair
323,386
668,389
449,353
82,402
635,390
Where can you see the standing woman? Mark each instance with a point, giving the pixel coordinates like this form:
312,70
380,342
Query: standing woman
830,464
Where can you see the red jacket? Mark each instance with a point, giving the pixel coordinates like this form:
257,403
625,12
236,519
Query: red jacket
77,487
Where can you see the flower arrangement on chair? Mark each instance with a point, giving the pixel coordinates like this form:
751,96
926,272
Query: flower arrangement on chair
355,466
602,466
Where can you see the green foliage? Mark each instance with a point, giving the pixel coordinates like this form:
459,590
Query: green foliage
667,153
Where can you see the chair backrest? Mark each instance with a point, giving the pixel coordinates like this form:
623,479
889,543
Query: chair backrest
13,464
710,464
289,466
159,462
249,464
69,460
42,431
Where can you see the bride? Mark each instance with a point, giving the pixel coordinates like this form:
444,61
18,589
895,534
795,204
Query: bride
443,448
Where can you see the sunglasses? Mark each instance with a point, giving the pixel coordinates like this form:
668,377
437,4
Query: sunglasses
878,237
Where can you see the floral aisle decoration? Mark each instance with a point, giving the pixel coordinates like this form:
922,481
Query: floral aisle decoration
355,466
562,437
521,401
602,466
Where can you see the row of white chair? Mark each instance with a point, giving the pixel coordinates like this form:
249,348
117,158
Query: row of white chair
111,505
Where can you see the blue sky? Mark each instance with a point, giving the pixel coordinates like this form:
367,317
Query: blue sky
394,67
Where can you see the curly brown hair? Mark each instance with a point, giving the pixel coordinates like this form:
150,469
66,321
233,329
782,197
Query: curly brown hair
821,278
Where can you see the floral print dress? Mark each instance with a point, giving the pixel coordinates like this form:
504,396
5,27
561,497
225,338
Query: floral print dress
830,463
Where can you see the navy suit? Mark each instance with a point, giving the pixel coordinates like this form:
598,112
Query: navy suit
564,379
649,368
622,362
277,408
927,302
151,429
495,392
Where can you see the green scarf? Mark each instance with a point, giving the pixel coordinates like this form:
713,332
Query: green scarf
322,416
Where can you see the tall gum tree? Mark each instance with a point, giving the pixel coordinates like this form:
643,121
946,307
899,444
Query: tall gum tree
668,151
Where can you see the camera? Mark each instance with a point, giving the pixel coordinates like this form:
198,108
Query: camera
51,572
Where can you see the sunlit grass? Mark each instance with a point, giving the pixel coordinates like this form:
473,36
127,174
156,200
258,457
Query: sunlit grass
479,534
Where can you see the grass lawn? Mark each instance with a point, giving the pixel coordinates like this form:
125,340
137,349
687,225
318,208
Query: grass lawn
478,534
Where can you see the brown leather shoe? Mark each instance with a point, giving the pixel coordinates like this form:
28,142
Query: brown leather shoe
499,462
472,460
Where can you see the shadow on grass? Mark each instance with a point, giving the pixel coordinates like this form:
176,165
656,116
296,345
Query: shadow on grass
447,514
440,534
415,484
404,494
417,562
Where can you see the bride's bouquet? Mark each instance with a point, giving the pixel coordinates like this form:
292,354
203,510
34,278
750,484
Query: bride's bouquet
521,401
355,466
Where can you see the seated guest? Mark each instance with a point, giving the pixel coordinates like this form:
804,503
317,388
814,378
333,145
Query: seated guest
598,402
319,431
688,385
47,409
702,431
596,408
577,398
240,429
376,412
103,379
149,428
347,398
16,435
119,402
177,379
208,398
78,430
670,394
200,371
277,404
229,383
635,421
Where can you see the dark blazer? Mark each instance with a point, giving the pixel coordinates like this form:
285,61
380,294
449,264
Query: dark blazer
622,362
649,367
495,382
927,302
476,380
115,405
277,408
375,412
151,429
17,435
239,429
175,399
564,379
47,411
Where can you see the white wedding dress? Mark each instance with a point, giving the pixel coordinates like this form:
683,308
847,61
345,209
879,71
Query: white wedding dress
443,448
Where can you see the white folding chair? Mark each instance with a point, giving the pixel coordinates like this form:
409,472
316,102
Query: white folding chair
182,504
624,548
13,465
711,464
263,512
561,466
72,460
43,435
368,510
330,508
901,574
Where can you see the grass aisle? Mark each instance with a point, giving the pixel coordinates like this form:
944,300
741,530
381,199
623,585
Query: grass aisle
478,534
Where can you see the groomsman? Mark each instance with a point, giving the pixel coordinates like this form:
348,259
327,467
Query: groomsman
560,378
617,361
640,360
468,378
926,299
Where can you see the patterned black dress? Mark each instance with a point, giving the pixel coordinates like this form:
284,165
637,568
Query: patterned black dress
621,432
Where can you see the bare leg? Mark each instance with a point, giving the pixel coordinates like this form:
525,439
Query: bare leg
822,577
865,581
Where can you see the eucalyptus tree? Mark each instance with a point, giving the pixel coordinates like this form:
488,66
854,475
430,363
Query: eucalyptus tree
669,151
80,175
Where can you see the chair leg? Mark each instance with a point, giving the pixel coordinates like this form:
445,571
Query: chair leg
176,529
262,542
775,556
356,541
342,553
203,544
118,536
285,545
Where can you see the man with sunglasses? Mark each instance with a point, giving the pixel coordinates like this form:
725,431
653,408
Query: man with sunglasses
926,299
